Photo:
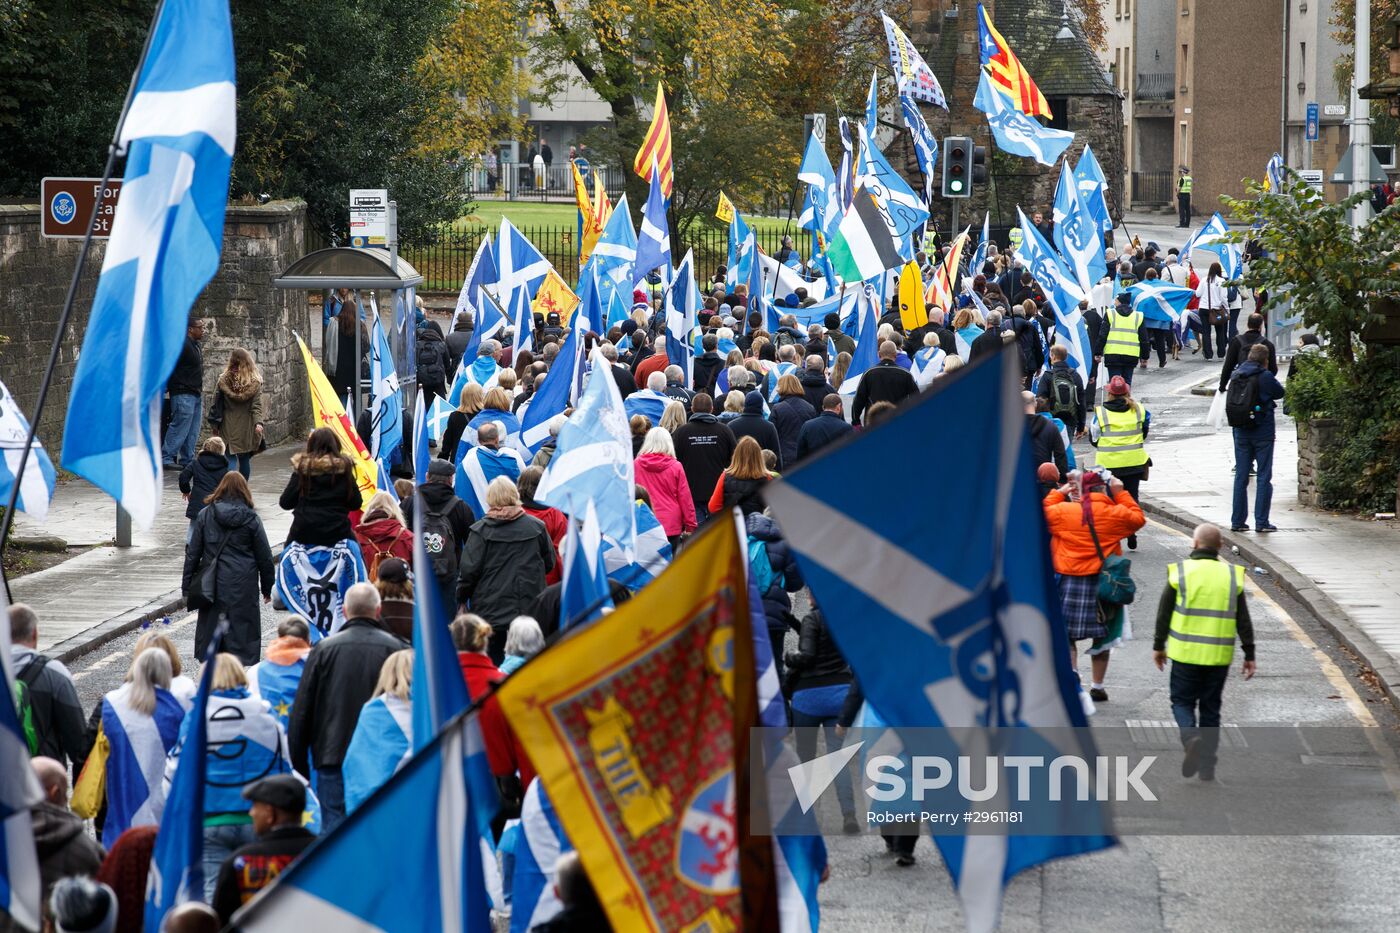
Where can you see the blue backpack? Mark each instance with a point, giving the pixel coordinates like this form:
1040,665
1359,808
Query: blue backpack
760,568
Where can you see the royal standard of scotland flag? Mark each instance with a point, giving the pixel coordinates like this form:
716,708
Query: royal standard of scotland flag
948,631
164,248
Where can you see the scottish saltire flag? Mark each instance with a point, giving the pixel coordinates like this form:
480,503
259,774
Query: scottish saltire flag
312,582
682,301
648,403
872,103
21,888
490,320
947,631
436,422
584,592
506,421
533,898
36,486
616,250
1060,285
439,807
136,764
820,177
1016,132
555,395
518,262
1211,239
1076,233
420,440
1160,301
1093,187
176,874
439,693
912,75
925,146
654,240
1273,173
522,321
178,134
381,745
904,211
926,363
478,466
866,353
481,272
386,400
979,255
741,250
592,301
593,459
653,552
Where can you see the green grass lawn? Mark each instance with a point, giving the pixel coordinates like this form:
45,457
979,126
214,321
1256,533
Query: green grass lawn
535,214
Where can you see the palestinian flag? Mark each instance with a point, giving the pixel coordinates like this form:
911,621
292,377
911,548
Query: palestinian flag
863,246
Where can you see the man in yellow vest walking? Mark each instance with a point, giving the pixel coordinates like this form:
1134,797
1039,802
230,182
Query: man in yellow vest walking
1201,613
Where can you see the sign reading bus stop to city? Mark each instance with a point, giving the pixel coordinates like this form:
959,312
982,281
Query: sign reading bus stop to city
369,217
66,206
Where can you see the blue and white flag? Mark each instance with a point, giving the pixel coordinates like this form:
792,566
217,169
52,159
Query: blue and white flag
1060,285
436,421
421,428
176,874
489,322
592,302
136,766
556,394
483,371
312,582
533,898
1274,174
781,282
866,355
654,240
682,301
926,363
1160,301
648,403
616,249
518,262
845,175
944,631
522,322
439,692
653,552
593,459
1093,188
21,889
741,251
381,745
36,486
872,103
481,272
817,173
979,255
1211,239
478,466
1014,131
903,210
584,591
439,807
925,146
169,228
386,400
1076,233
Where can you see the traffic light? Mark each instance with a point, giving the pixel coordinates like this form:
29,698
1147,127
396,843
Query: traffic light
979,165
957,166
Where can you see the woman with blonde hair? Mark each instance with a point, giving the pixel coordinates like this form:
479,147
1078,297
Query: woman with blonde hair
382,533
238,412
245,743
638,425
383,737
495,406
472,401
227,558
673,416
742,483
661,474
200,477
733,405
839,369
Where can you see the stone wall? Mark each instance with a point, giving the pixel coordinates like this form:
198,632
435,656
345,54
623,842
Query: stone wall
1314,439
240,304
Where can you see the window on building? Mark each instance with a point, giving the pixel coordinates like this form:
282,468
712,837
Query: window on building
1059,112
1302,67
1118,9
1127,9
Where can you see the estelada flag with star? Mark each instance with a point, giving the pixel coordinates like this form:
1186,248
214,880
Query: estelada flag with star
555,297
638,726
1008,75
328,411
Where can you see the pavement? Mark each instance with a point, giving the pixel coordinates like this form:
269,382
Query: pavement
107,591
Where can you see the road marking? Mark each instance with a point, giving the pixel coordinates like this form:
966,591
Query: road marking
1186,387
117,654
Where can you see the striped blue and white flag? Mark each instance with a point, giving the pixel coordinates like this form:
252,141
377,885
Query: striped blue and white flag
584,591
478,466
381,745
136,766
593,459
518,263
533,898
481,272
652,557
866,354
654,240
164,248
438,807
20,886
36,487
929,648
616,249
1160,301
386,398
1274,174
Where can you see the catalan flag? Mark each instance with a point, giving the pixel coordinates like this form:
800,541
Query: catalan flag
940,289
589,229
602,207
657,145
329,412
1008,75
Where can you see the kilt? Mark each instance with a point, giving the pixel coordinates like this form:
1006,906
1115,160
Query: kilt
1079,600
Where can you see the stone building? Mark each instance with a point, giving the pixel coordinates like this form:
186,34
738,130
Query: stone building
1082,96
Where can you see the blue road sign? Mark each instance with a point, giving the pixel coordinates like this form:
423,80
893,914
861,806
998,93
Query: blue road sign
1312,122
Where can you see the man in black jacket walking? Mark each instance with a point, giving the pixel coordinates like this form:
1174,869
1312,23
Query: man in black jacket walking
814,384
704,447
278,802
186,387
446,521
827,427
57,712
338,679
1238,350
885,382
707,365
1046,444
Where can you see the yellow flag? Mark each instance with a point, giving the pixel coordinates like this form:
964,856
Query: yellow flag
555,296
602,207
328,411
725,210
589,230
911,297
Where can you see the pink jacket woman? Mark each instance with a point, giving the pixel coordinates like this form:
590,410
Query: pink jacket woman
661,474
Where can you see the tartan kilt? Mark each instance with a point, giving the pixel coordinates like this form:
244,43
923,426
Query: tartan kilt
1079,600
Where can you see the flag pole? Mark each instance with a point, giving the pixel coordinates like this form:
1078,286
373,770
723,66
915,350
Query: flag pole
114,150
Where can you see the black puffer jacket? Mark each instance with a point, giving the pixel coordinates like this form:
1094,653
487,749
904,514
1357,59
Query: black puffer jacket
787,577
200,478
321,493
815,388
504,563
434,360
817,662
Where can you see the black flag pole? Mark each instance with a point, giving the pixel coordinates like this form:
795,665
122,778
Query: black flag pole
114,151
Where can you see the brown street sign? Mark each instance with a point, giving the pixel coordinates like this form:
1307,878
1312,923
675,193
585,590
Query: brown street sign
65,204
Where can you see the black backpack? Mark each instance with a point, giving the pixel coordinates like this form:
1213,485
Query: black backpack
440,542
1242,400
1064,399
430,353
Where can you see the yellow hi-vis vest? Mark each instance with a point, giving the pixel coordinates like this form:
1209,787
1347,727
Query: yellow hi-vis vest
1123,334
1120,438
1184,185
1203,619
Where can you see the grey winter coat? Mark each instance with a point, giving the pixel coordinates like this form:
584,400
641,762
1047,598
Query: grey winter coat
244,563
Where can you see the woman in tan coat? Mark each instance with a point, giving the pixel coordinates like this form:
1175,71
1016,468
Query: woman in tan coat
239,399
